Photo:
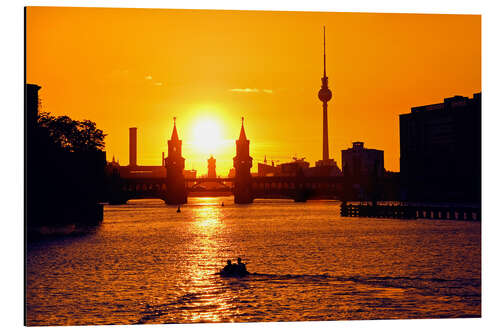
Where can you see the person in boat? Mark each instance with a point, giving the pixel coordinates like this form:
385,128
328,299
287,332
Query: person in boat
241,268
229,268
238,269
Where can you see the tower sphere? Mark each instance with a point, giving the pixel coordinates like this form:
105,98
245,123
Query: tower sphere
325,94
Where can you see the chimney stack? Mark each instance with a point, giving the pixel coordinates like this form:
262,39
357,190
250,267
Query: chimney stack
133,146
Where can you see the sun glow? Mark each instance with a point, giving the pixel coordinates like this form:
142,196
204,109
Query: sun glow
207,135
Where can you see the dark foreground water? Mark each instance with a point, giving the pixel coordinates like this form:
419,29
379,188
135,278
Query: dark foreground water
148,264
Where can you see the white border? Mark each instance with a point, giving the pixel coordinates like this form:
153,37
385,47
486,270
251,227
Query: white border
12,162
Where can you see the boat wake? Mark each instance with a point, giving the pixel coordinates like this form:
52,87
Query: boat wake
450,287
221,297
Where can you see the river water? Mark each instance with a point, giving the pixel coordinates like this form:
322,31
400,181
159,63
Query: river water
148,264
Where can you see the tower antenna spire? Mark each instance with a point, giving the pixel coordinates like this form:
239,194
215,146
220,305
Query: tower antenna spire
324,51
324,96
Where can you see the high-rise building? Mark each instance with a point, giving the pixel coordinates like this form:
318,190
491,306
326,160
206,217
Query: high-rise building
359,161
441,151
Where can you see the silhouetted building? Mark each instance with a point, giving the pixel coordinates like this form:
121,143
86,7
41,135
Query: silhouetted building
176,187
132,146
296,167
327,168
441,151
211,168
189,173
292,168
211,174
242,164
266,170
360,161
133,170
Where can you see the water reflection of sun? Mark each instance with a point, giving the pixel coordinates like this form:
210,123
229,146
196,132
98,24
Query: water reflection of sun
206,252
207,220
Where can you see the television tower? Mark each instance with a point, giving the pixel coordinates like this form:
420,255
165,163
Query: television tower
325,95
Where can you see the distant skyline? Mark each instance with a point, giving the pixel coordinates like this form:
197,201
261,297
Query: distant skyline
141,67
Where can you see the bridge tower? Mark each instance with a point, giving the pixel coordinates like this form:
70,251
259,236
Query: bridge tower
176,188
242,165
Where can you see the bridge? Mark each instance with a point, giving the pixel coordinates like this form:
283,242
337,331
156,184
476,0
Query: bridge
174,188
298,188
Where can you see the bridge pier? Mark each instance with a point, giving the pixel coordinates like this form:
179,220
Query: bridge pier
300,196
301,192
176,191
242,191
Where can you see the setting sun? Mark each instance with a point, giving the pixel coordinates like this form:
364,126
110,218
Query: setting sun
207,135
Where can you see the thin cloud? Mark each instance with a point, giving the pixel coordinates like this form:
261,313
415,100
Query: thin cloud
158,83
245,90
251,90
149,77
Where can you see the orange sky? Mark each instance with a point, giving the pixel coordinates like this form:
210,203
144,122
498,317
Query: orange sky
141,67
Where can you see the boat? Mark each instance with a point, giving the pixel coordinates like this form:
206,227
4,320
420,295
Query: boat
234,274
234,270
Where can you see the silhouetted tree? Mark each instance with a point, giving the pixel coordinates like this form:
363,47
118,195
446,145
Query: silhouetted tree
72,135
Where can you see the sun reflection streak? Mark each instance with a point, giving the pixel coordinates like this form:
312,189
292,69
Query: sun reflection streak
207,248
207,220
